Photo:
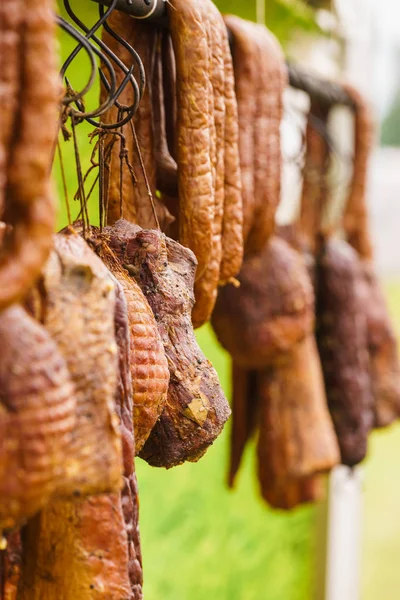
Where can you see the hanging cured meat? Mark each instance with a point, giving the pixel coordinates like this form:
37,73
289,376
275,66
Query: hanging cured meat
37,417
271,310
296,439
343,345
148,363
93,544
75,300
382,343
272,80
26,202
202,182
129,196
196,408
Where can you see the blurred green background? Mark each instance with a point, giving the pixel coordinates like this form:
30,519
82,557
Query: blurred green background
199,540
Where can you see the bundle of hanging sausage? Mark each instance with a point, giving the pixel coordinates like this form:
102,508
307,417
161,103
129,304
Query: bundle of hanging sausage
99,361
310,404
186,133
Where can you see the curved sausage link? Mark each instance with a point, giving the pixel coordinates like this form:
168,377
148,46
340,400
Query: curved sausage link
267,140
206,286
11,16
232,224
195,181
356,214
30,209
244,54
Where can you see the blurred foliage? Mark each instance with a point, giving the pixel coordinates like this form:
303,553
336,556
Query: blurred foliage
390,132
283,17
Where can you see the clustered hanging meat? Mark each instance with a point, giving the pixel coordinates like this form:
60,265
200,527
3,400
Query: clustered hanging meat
260,79
198,171
92,545
27,47
196,408
99,361
382,345
266,324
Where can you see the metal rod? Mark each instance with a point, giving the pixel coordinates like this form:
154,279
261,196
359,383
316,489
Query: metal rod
139,9
322,91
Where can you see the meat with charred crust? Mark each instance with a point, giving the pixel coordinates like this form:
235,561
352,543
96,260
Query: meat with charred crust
271,310
196,408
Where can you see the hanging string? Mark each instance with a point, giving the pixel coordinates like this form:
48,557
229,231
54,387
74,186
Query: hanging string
64,182
81,187
149,193
101,181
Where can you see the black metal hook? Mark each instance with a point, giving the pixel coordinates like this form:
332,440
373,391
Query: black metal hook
113,94
68,28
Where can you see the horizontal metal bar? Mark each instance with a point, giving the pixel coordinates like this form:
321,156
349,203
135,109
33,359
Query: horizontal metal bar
139,9
322,91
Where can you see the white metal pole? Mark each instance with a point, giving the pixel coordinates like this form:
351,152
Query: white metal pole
341,576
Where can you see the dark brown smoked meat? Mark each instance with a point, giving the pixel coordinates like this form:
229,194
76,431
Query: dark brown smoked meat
135,201
196,408
343,347
167,170
271,310
382,343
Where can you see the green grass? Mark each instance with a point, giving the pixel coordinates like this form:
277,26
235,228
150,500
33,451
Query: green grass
201,541
381,534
